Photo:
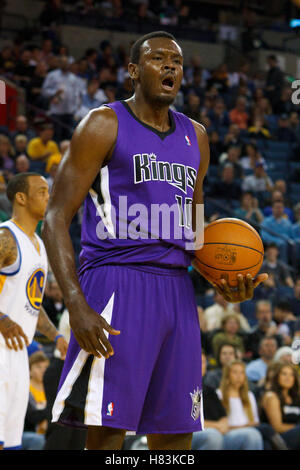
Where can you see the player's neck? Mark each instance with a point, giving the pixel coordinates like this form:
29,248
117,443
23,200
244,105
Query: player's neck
26,222
155,115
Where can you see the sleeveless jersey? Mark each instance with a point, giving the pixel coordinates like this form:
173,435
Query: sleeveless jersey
22,284
139,207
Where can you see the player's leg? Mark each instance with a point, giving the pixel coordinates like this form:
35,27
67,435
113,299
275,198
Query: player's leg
104,438
170,441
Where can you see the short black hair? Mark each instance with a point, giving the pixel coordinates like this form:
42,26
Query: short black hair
283,305
18,184
136,47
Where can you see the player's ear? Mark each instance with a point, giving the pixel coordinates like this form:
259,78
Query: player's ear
133,70
20,198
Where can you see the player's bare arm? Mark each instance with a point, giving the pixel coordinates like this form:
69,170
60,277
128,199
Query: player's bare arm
46,327
10,330
246,285
91,146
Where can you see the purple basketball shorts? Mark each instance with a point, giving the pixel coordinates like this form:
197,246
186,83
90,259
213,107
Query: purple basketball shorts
153,383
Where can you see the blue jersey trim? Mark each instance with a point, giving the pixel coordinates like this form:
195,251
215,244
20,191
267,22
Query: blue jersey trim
20,254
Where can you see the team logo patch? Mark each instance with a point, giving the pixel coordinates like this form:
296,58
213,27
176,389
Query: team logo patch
188,142
110,409
196,403
34,288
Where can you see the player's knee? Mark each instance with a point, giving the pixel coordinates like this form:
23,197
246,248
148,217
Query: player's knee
169,441
104,438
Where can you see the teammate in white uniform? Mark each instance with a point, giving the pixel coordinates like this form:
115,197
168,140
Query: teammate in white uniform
23,273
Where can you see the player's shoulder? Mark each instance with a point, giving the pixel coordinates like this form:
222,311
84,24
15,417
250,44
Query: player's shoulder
99,123
199,129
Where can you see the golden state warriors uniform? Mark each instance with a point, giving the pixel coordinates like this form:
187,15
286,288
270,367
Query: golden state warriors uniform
22,286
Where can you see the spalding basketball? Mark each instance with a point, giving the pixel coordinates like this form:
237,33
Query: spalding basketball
231,247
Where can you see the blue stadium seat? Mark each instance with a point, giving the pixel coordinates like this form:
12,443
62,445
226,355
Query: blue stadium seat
276,146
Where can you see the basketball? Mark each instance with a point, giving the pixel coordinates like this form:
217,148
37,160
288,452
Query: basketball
231,246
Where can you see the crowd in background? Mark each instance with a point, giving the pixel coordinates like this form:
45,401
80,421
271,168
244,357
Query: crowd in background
251,390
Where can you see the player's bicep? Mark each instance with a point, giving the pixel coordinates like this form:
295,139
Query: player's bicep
91,143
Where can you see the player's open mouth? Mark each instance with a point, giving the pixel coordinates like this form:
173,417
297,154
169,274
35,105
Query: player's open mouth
168,83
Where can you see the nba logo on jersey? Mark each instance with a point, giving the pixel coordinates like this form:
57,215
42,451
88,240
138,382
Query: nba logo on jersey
196,403
188,140
110,409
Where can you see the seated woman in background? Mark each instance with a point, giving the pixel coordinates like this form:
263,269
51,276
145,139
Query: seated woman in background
281,405
240,403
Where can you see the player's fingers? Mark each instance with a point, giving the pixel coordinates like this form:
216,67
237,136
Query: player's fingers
106,343
225,288
260,278
18,338
241,286
13,342
249,287
109,328
7,342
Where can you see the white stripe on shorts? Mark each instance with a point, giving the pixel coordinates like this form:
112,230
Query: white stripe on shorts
94,398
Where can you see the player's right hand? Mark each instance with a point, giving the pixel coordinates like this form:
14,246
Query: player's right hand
89,331
13,334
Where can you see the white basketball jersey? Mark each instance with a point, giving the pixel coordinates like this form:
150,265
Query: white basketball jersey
23,283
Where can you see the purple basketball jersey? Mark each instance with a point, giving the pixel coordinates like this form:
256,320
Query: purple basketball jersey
139,208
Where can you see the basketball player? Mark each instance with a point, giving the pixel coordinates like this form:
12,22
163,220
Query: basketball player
23,271
146,376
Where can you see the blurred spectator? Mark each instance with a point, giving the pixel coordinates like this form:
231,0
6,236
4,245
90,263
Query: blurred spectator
265,327
295,300
295,124
53,303
51,169
86,8
218,434
279,270
226,188
280,225
284,318
274,80
219,310
232,156
88,100
284,355
216,147
225,355
277,195
6,154
281,405
42,147
251,156
259,181
22,127
192,108
35,420
23,71
249,208
230,326
47,53
240,403
20,144
239,114
284,132
22,164
232,137
62,89
34,86
285,104
219,115
258,130
256,370
219,79
7,61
